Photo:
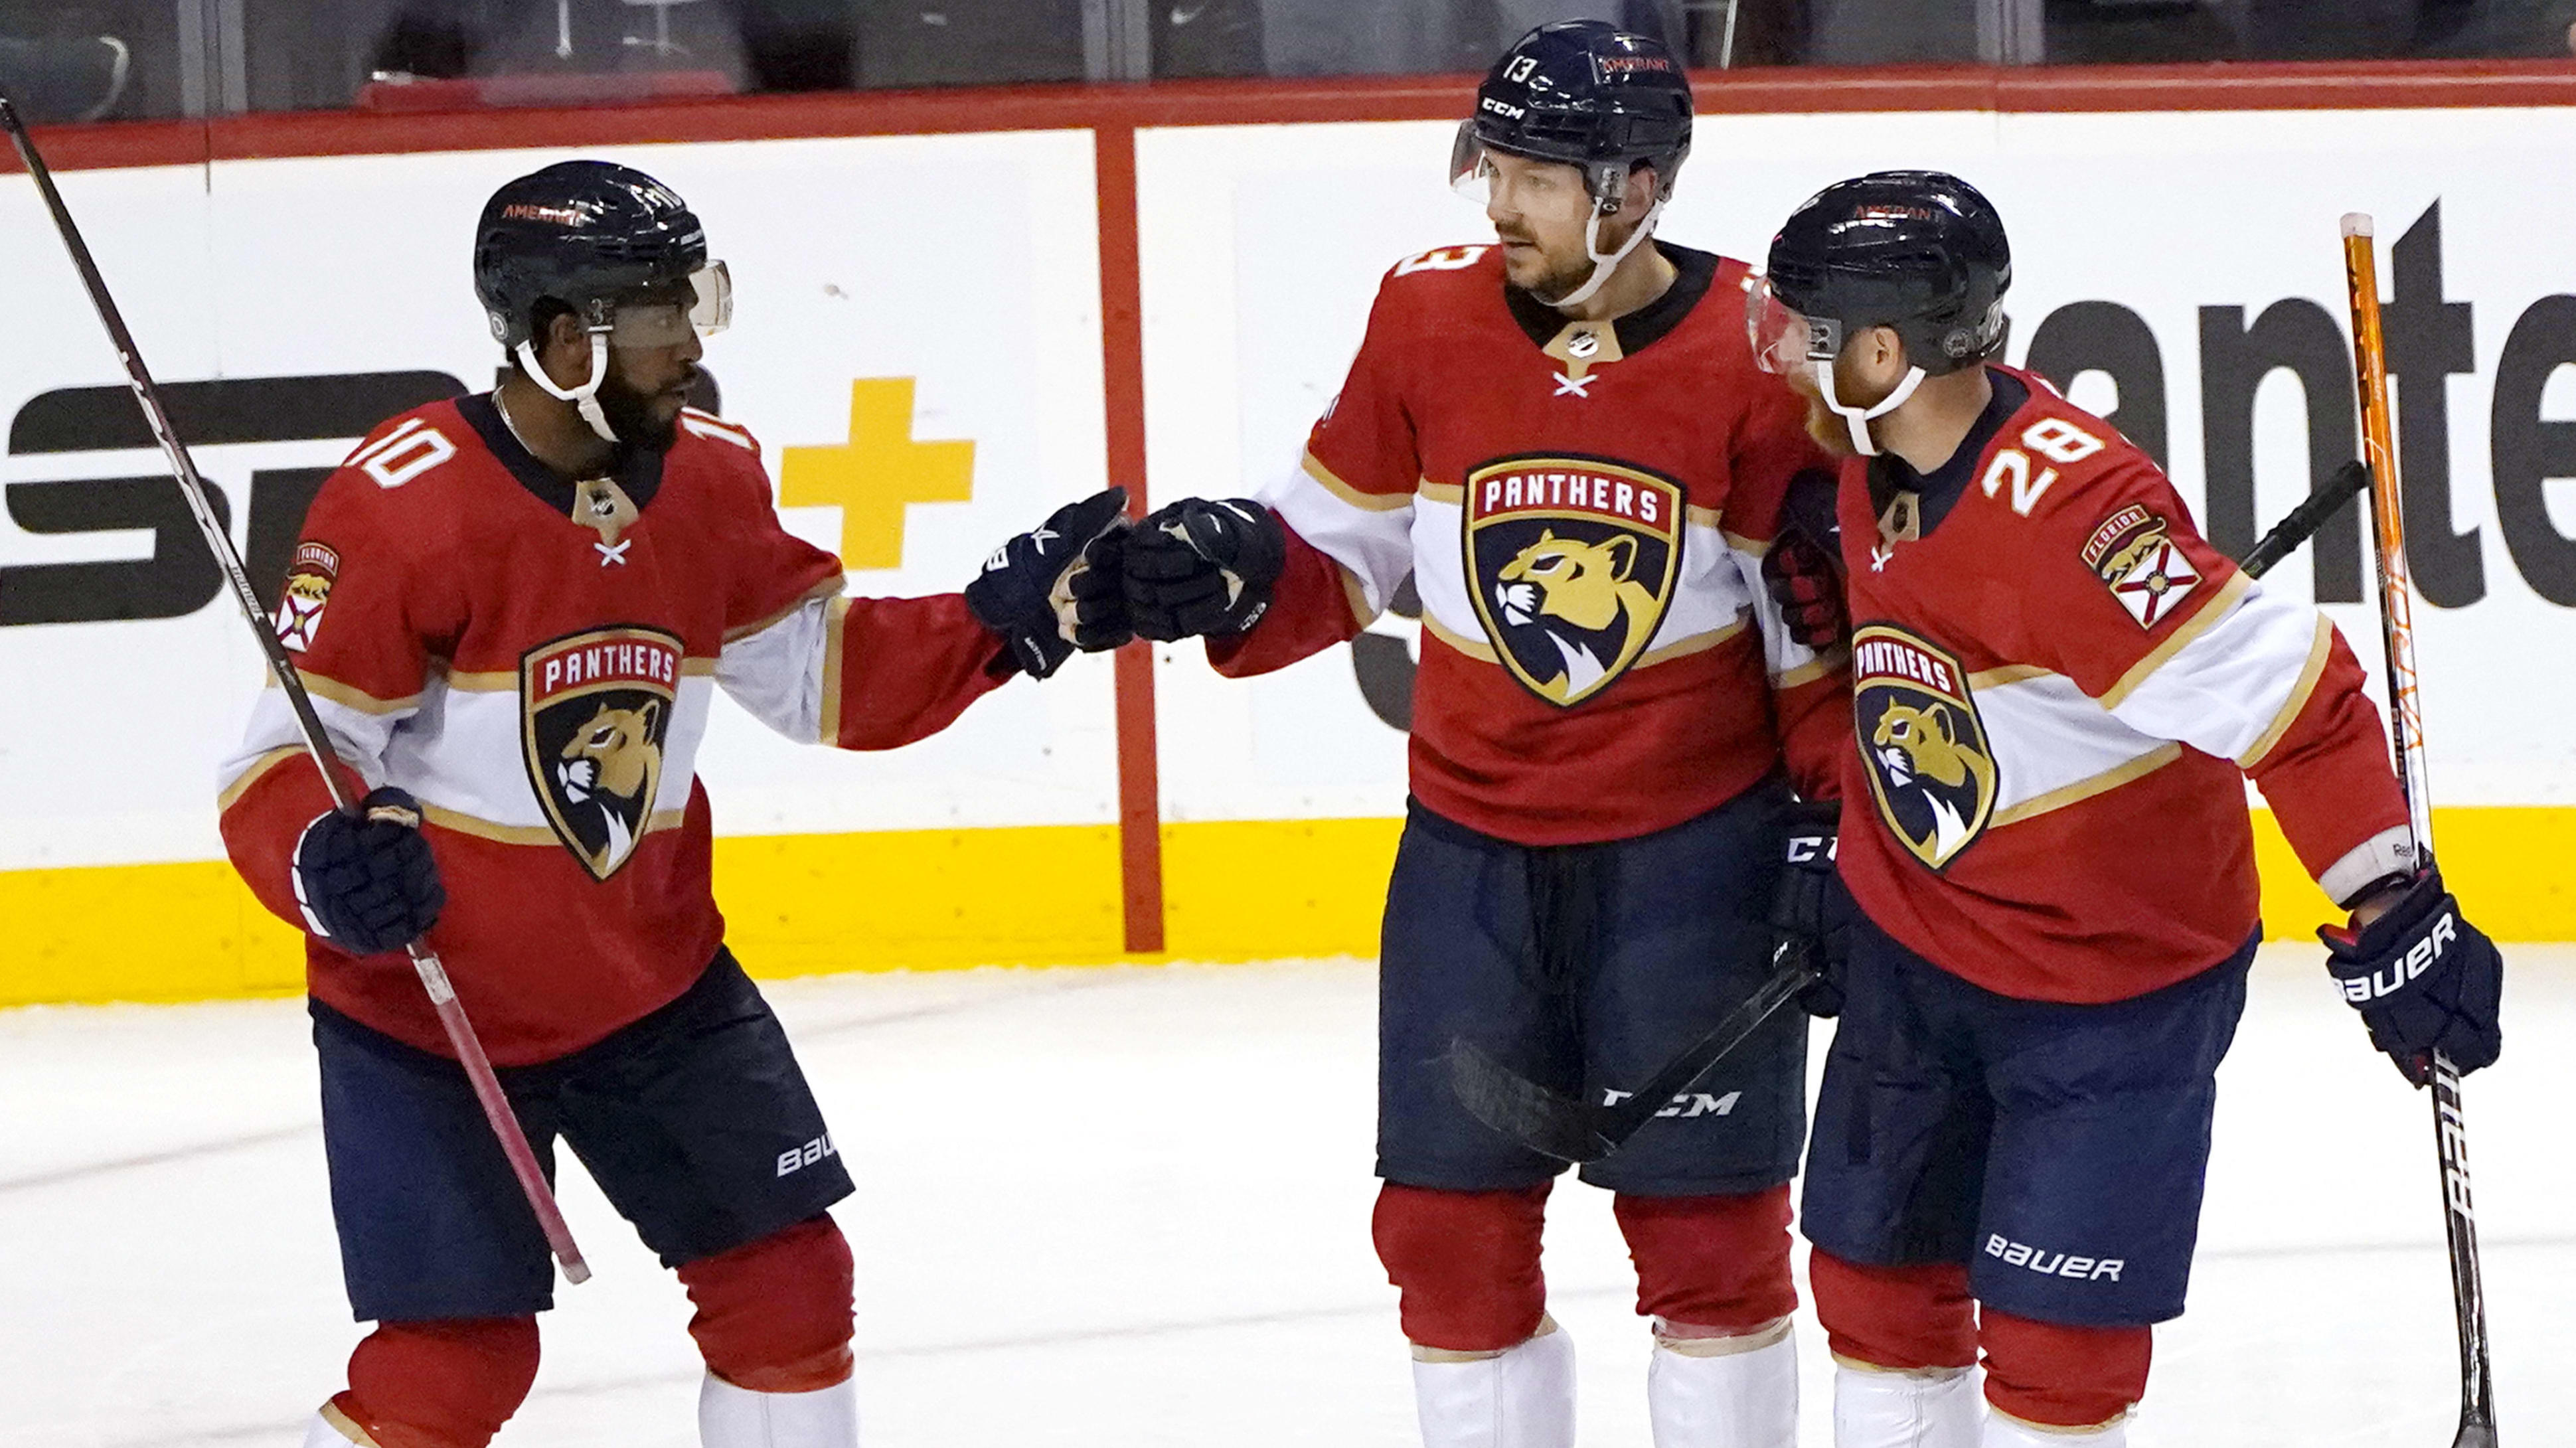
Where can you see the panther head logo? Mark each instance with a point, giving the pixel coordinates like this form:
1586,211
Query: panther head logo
1921,751
1930,767
611,764
597,712
1571,563
1591,586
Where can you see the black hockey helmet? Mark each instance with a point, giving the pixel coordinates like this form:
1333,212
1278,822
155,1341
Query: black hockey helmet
1588,94
1918,251
617,247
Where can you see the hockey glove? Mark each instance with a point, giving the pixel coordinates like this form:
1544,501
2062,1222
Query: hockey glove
1027,591
367,881
1809,907
1805,583
1199,567
2424,980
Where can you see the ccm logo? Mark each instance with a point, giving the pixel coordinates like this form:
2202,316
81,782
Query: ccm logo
1804,849
1687,1105
2055,1264
799,1158
2403,971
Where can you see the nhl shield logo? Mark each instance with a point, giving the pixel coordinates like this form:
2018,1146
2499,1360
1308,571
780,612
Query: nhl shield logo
594,711
1572,562
1930,767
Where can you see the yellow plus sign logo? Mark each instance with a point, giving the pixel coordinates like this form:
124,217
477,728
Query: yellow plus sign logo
876,473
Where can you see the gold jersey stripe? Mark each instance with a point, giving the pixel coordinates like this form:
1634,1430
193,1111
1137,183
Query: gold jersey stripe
1483,652
2318,653
828,588
346,696
2084,789
1477,649
1372,502
1996,678
1451,493
2220,605
1357,595
836,618
1832,661
483,829
242,782
501,681
1695,644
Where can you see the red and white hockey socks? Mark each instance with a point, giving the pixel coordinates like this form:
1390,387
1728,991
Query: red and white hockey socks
732,1417
1521,1397
1736,1391
1923,1408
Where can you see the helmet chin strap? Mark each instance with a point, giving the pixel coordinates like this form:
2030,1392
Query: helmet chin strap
1603,266
1858,419
585,398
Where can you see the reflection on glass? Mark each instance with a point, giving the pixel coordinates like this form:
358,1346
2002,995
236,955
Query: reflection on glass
138,59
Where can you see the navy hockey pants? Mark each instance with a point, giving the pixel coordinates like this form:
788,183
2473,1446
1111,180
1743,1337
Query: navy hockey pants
695,1121
1587,968
2058,1151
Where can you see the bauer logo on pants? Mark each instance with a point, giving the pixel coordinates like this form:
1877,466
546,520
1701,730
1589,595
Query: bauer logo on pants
1930,767
1572,562
594,710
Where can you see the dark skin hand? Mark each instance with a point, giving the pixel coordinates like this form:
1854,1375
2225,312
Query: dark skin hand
554,430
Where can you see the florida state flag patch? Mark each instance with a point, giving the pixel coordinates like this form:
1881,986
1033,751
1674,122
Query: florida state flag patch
2133,553
308,587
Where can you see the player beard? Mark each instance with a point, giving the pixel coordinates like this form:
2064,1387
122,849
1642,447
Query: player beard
646,420
1545,274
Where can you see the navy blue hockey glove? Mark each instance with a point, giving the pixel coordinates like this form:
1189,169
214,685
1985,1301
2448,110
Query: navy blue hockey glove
1026,591
1807,585
366,881
2424,980
1810,910
1203,568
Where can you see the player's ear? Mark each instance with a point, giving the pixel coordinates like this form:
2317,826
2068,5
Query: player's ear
565,348
1642,182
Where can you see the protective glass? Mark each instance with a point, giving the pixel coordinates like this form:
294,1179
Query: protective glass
1782,339
667,319
1542,190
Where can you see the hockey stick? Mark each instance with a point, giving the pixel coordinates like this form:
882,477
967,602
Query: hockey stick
1577,1131
2406,726
433,976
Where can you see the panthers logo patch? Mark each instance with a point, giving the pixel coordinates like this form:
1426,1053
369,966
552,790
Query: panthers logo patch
1571,562
1930,767
594,711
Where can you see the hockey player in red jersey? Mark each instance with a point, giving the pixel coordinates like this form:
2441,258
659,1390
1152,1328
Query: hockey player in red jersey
2059,690
1563,441
513,611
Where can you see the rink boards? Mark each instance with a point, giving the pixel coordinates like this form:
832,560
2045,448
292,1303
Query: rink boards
2180,269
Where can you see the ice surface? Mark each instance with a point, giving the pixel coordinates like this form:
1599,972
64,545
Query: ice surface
1130,1207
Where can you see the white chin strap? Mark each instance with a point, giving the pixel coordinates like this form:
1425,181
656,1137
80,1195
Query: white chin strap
1603,266
585,398
1859,419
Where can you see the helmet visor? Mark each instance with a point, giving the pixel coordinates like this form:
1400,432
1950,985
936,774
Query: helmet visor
1782,338
668,315
1524,185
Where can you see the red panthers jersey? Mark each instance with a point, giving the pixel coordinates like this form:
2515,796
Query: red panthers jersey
1583,508
2058,689
534,659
